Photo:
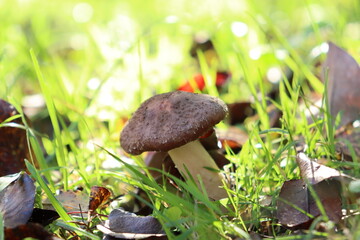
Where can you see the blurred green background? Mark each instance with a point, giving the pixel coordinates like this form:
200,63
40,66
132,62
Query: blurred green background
133,48
100,59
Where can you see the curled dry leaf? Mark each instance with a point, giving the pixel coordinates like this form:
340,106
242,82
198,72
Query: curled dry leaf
126,225
343,74
297,201
297,207
315,172
13,143
30,230
17,201
99,196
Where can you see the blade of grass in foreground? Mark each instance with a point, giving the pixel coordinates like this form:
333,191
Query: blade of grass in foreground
55,203
209,75
33,145
78,230
40,157
60,155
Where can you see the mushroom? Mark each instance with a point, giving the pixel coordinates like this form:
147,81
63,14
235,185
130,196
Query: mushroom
173,122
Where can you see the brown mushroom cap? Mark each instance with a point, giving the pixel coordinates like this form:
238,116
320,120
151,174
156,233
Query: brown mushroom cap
170,120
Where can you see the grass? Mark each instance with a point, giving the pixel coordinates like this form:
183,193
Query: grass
93,74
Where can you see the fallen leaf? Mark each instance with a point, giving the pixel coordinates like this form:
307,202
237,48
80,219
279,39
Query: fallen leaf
13,143
72,201
296,199
326,184
30,230
17,201
315,172
108,237
99,196
343,74
293,192
329,193
126,225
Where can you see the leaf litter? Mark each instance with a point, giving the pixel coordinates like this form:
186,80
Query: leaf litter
99,197
300,200
17,201
126,225
343,75
13,143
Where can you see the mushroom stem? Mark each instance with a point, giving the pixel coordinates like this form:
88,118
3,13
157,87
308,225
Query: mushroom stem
193,157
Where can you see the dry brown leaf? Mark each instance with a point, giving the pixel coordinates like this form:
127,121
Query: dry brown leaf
326,184
294,192
126,225
30,230
343,74
72,201
315,172
13,143
296,195
99,196
17,201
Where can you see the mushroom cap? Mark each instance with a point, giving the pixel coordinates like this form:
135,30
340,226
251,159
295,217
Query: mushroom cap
170,120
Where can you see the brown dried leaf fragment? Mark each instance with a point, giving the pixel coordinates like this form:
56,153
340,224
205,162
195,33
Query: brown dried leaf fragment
315,172
17,201
99,196
297,207
126,225
30,230
343,74
13,143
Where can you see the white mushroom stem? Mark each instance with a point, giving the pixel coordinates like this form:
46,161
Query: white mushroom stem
193,157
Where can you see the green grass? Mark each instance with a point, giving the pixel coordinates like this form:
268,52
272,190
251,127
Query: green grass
92,75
